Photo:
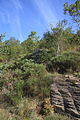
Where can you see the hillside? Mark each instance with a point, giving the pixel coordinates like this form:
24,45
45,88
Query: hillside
40,77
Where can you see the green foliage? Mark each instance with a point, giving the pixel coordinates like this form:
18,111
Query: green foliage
56,117
16,95
25,67
58,38
2,36
27,110
47,54
21,76
25,78
31,43
6,115
10,49
66,61
73,10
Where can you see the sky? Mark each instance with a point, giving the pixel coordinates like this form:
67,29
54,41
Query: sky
19,17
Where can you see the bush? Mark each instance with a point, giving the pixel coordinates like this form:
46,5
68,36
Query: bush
43,55
38,83
6,115
27,110
56,117
66,62
25,78
15,94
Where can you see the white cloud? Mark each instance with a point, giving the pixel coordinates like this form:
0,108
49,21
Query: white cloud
12,17
17,4
46,11
16,20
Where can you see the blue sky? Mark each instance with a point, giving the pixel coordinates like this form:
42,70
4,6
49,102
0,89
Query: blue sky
19,17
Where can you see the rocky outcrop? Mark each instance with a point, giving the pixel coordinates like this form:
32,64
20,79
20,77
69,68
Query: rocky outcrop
65,96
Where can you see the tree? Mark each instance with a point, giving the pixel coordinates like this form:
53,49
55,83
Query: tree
57,38
58,32
74,11
2,36
11,48
31,43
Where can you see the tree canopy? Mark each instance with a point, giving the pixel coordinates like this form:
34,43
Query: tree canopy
73,10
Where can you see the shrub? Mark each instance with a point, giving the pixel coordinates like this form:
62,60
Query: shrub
39,82
6,115
25,78
66,62
56,117
16,93
27,110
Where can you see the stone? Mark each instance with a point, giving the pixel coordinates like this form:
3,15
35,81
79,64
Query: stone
65,96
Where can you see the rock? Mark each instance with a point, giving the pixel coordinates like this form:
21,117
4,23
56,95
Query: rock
65,96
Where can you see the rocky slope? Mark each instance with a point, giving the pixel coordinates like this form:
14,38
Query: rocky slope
65,96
